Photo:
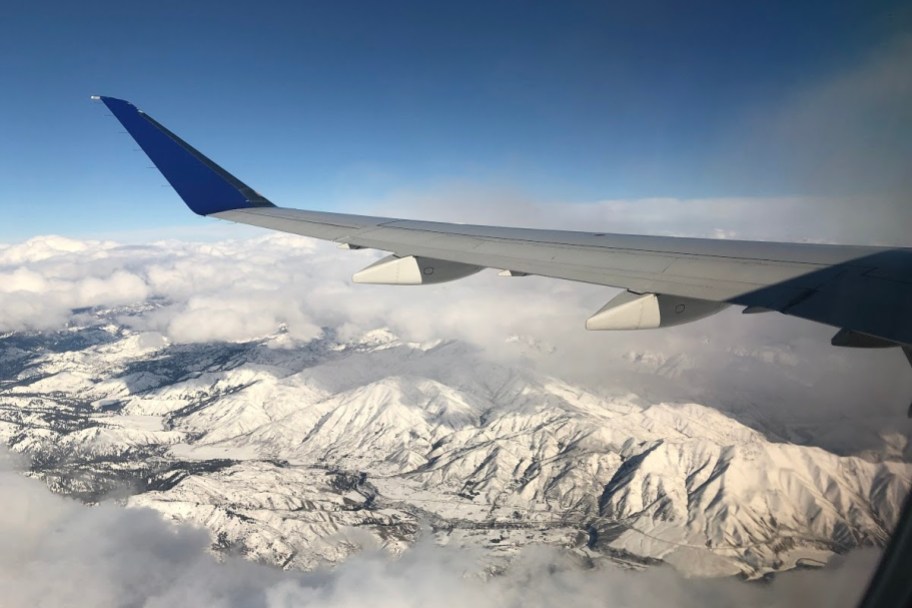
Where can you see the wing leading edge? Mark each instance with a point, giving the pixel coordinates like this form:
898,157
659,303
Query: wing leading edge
866,292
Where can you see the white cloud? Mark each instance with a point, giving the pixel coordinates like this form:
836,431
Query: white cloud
42,248
230,316
57,552
767,366
40,294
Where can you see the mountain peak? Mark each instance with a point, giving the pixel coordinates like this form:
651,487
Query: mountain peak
280,450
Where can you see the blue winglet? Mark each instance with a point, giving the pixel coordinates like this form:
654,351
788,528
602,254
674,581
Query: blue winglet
204,186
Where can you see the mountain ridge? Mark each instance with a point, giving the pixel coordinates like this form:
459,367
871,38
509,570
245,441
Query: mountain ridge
299,454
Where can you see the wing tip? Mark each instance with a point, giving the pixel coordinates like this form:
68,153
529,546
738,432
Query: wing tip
205,187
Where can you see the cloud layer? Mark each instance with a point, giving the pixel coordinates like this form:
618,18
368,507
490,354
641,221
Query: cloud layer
770,366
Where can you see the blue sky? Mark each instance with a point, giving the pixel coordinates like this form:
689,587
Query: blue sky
333,104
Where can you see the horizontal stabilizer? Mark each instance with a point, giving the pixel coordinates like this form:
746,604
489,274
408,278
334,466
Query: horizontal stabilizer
204,186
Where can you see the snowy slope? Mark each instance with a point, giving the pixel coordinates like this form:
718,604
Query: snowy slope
303,454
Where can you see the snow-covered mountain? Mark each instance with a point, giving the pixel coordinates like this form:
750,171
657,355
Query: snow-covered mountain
301,454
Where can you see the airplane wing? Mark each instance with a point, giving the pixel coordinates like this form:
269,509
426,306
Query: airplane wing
866,292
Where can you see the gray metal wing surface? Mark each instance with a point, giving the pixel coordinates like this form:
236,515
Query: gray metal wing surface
864,289
866,292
